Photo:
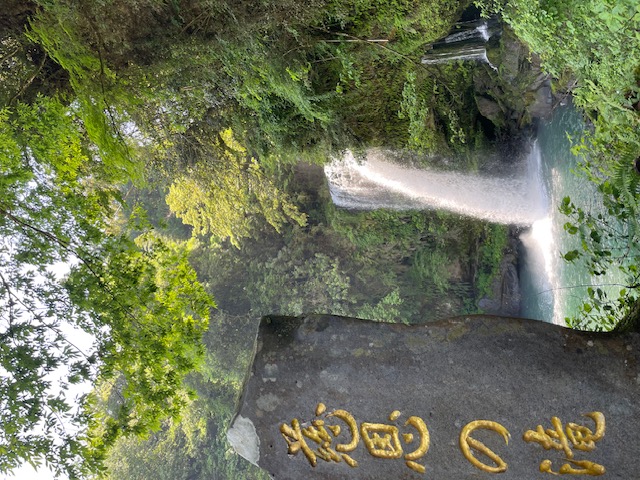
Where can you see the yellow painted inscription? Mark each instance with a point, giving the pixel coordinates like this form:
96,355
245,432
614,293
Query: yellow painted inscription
573,436
334,436
381,440
467,443
322,436
423,446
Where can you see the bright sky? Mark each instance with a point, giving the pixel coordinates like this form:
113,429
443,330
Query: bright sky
26,472
83,341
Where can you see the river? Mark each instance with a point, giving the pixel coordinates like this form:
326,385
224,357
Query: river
552,288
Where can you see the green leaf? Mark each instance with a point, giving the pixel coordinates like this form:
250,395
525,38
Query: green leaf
570,228
571,256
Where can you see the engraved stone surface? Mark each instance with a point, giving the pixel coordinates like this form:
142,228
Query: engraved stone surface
473,397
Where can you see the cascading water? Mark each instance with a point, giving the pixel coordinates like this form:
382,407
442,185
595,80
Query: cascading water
464,52
377,182
469,31
550,288
467,41
553,289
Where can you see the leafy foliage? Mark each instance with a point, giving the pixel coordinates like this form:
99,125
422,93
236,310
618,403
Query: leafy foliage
100,103
593,41
295,285
195,446
492,243
222,197
609,239
158,319
416,109
140,302
388,309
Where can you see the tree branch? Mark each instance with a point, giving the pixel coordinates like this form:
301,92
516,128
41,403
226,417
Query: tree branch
68,248
28,82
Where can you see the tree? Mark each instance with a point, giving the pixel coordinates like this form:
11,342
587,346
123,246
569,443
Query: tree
139,300
223,193
196,447
609,240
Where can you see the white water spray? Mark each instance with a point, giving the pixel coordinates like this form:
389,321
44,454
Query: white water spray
467,42
480,31
377,182
467,52
541,259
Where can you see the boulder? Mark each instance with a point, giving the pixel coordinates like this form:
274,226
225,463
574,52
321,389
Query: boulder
466,398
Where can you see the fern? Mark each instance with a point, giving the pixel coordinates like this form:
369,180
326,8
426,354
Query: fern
94,85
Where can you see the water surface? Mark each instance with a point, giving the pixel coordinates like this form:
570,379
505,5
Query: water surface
552,288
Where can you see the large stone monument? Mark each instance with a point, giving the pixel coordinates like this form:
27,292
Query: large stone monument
467,398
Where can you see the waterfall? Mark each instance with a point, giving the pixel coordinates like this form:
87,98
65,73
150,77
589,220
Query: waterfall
467,41
529,196
377,182
463,52
519,198
469,31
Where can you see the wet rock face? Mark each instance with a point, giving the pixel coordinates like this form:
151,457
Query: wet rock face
506,295
467,398
518,92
